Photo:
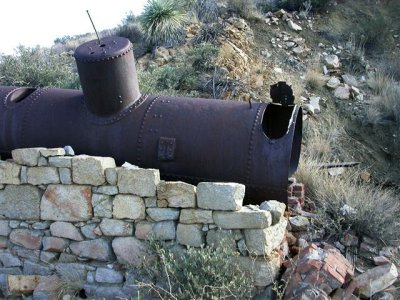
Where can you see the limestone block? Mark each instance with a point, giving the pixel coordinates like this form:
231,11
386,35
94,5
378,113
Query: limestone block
60,162
4,228
42,175
190,235
163,214
90,169
246,217
131,251
75,271
164,230
264,241
48,257
20,202
66,230
150,202
216,238
264,271
276,208
376,280
143,230
129,207
196,216
102,205
26,156
106,190
220,196
88,231
98,249
9,173
26,238
111,176
299,223
34,268
54,244
104,275
140,182
52,152
18,285
178,194
112,227
8,260
24,174
66,203
65,175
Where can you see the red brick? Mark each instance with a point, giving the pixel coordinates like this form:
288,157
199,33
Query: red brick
298,187
333,273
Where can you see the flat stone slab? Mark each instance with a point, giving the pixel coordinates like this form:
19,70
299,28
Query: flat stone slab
66,203
190,235
246,217
9,173
178,194
220,196
42,175
26,156
136,181
264,241
196,216
129,207
26,238
98,249
65,230
90,169
163,214
112,227
20,202
131,251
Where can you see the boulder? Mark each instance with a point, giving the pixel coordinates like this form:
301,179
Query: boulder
276,209
112,227
333,83
196,216
136,181
190,235
332,61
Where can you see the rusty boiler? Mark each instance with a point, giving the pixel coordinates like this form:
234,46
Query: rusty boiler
193,140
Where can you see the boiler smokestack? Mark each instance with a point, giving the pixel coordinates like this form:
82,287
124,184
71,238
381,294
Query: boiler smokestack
108,75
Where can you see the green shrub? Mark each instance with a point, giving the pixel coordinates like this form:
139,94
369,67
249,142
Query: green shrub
178,78
162,22
243,8
206,11
196,273
208,33
292,5
203,57
38,67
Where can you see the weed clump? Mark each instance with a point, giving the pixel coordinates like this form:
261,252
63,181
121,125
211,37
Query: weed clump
196,273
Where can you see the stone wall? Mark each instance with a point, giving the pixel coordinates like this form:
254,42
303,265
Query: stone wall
62,213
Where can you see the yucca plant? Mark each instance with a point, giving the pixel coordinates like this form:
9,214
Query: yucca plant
162,22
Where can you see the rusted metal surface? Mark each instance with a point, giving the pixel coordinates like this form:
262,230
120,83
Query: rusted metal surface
186,139
107,73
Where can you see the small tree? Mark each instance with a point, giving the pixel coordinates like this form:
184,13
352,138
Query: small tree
162,22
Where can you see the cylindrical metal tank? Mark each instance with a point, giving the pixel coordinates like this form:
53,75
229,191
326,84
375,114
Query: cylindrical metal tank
108,76
257,144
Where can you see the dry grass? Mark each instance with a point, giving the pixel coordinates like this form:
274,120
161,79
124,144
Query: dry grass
315,81
386,102
344,202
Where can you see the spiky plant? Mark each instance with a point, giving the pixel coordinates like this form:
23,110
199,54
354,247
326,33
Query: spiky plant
162,22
